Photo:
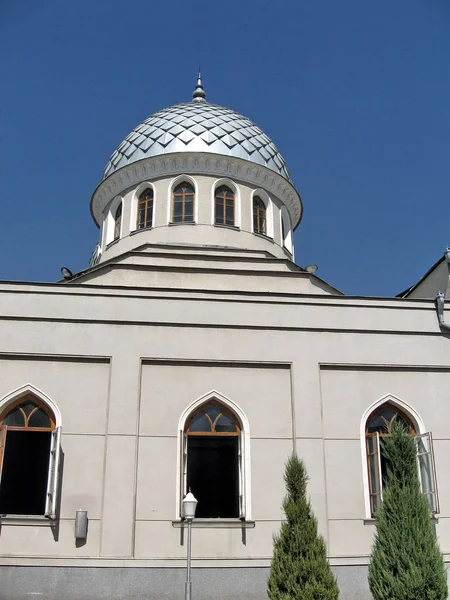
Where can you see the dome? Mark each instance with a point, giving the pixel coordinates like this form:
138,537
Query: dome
198,126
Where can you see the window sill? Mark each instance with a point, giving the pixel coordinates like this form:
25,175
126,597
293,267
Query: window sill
264,236
182,223
141,229
216,523
234,227
372,520
112,243
27,520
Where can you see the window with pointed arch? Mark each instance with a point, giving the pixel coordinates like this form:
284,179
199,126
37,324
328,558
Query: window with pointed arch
224,206
117,222
212,461
378,426
144,217
29,458
259,216
183,203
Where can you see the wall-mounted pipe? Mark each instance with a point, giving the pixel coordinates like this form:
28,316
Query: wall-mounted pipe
440,302
440,298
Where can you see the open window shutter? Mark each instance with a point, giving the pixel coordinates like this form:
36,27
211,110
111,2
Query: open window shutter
427,471
374,467
3,432
184,460
53,474
241,479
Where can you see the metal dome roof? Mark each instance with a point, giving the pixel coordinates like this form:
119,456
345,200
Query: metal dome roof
198,126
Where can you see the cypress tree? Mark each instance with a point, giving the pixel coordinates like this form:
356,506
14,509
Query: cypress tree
406,563
300,569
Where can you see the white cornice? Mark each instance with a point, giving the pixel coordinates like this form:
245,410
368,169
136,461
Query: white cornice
200,163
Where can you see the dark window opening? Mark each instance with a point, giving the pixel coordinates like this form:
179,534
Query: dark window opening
213,475
24,472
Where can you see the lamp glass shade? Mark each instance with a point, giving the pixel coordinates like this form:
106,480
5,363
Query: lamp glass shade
189,506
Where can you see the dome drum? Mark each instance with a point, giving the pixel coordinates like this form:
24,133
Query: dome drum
222,210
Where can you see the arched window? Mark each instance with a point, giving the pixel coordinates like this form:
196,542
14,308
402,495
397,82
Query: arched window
259,216
29,458
183,203
224,206
212,461
145,209
117,222
378,426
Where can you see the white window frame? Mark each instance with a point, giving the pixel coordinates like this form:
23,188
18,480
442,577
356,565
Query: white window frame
54,467
419,427
243,453
427,470
54,471
375,464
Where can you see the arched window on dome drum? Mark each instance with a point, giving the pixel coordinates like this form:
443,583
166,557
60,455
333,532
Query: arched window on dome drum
259,216
212,461
145,209
183,203
224,206
117,222
29,458
378,426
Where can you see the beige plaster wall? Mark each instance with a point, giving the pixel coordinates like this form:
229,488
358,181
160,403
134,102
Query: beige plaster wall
122,366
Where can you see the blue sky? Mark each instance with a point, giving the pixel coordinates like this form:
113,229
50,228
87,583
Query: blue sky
356,96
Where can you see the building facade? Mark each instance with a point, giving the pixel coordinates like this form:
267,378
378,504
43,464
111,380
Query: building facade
195,353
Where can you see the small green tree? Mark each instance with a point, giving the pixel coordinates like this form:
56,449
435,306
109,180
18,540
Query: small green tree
300,569
406,562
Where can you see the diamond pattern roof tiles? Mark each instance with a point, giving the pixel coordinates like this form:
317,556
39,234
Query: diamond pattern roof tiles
198,127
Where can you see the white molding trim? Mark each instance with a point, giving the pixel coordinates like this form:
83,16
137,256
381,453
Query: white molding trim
172,186
287,242
200,163
404,407
237,198
109,220
31,389
134,202
245,441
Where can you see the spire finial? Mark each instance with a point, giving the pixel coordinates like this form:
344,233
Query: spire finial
199,93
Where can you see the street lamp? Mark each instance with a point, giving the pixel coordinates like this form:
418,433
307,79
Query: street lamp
189,505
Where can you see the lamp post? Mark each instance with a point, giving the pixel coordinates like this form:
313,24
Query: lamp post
189,505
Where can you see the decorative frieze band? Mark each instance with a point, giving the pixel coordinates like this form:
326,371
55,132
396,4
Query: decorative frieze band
196,164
